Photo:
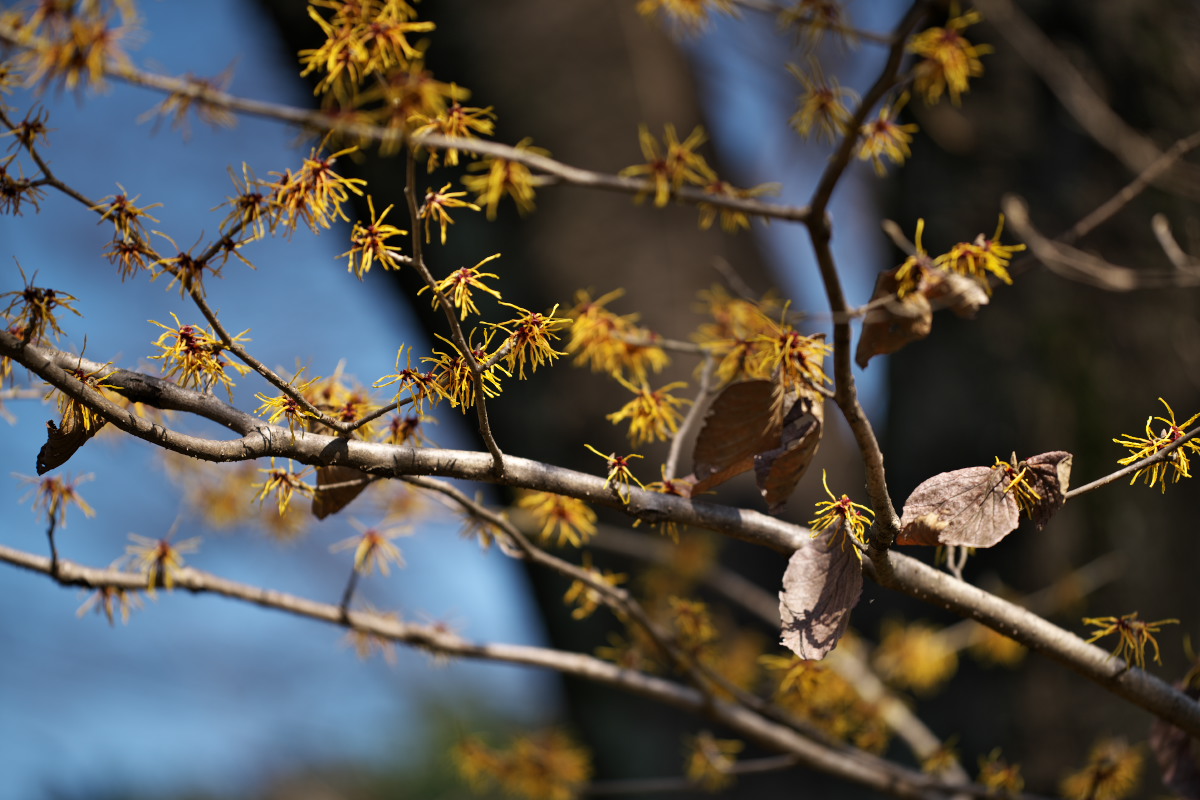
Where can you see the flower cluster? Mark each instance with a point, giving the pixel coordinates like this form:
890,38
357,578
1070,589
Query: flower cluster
612,343
841,513
194,356
1177,464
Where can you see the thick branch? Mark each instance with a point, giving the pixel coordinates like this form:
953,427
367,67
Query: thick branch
910,576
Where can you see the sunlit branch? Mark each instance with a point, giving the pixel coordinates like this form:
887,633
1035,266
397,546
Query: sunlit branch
909,576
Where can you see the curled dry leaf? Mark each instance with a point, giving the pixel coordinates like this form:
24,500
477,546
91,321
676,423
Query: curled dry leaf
1177,753
738,425
893,324
961,294
821,585
968,507
336,488
1048,474
744,431
64,439
898,321
975,507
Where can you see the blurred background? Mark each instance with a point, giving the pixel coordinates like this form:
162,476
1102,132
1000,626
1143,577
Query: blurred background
199,696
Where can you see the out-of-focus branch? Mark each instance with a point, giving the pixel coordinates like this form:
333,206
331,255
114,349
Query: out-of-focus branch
1081,101
839,760
846,660
1075,264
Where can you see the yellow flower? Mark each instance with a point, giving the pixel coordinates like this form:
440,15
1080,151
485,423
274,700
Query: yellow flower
529,337
789,357
573,520
370,243
1112,773
456,122
996,773
286,406
979,258
53,495
1133,636
611,343
434,208
504,177
453,379
710,761
419,385
852,518
541,766
314,195
671,168
914,656
107,600
458,285
193,356
652,415
585,597
125,215
373,548
823,104
732,219
949,61
74,49
1176,464
884,137
692,15
32,310
620,476
158,559
283,483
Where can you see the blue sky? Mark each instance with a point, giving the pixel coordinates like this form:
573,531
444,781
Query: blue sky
203,692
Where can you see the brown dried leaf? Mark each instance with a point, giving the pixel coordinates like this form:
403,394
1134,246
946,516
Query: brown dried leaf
967,507
778,470
895,323
821,585
738,426
1177,753
961,294
64,439
1049,474
328,500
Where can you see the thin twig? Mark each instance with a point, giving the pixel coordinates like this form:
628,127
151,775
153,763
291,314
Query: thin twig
460,340
887,522
1148,461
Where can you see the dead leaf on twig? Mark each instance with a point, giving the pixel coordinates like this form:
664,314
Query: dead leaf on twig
64,439
978,506
744,430
895,323
336,488
821,585
967,507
